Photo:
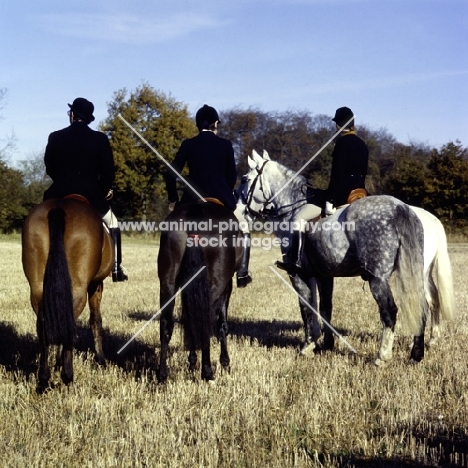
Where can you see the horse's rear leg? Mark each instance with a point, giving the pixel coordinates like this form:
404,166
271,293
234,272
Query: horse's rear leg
382,294
312,331
206,370
166,327
417,351
223,328
95,319
326,307
222,337
433,308
43,376
67,365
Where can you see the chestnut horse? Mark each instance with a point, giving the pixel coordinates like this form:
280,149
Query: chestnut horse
66,254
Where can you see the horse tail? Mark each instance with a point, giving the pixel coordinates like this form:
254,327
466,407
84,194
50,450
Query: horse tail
442,274
57,307
197,314
409,271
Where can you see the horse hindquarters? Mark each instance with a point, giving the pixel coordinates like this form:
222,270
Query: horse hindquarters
408,269
55,321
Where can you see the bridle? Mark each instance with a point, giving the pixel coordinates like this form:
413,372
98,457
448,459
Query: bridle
264,212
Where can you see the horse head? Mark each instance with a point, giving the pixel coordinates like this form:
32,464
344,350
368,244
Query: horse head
270,189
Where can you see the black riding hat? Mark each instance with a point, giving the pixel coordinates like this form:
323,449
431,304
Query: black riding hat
343,115
83,109
206,116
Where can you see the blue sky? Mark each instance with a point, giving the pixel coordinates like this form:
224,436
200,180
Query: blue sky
401,65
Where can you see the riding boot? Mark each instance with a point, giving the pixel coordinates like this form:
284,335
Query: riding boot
118,274
243,277
292,261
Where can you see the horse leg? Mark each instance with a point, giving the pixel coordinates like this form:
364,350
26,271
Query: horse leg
223,328
206,370
417,351
326,305
43,376
166,327
192,360
222,336
67,365
382,294
434,309
95,290
307,293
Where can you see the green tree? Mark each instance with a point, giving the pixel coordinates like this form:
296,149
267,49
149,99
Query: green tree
290,138
447,182
245,129
407,178
164,123
35,179
12,195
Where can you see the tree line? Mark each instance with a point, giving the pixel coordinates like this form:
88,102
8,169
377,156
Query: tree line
145,121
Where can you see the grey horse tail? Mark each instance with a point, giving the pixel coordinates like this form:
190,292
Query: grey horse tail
409,271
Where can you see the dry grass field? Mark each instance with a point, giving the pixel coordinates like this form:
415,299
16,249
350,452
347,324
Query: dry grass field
275,409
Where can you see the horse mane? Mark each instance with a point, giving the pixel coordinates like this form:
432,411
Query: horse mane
295,189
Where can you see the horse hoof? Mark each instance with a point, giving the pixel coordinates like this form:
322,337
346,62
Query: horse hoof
380,362
100,361
307,348
41,389
414,362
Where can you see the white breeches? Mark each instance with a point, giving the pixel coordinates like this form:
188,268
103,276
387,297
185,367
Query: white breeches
239,214
110,220
306,213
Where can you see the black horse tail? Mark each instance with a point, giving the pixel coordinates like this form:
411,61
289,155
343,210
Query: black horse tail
409,272
57,307
197,315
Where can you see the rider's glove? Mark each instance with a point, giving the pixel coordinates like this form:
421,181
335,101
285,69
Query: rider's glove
329,209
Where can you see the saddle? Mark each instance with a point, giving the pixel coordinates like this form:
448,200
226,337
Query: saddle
213,200
357,194
77,196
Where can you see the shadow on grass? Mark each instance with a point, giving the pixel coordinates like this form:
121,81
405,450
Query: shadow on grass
17,352
276,333
438,450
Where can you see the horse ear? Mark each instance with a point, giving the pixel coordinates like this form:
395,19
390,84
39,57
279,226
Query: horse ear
266,155
252,163
257,158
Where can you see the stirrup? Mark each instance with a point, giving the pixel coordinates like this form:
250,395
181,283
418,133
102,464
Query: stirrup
243,281
119,274
289,267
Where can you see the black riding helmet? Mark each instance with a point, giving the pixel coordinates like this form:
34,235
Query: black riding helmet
342,116
205,117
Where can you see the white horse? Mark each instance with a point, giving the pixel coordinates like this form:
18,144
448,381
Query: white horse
264,195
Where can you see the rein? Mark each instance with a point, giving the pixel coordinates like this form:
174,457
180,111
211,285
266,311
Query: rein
265,212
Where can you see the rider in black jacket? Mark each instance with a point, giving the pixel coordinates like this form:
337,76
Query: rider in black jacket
79,160
349,168
212,173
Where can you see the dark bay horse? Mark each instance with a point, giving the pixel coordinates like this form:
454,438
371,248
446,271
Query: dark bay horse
67,253
199,252
375,237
